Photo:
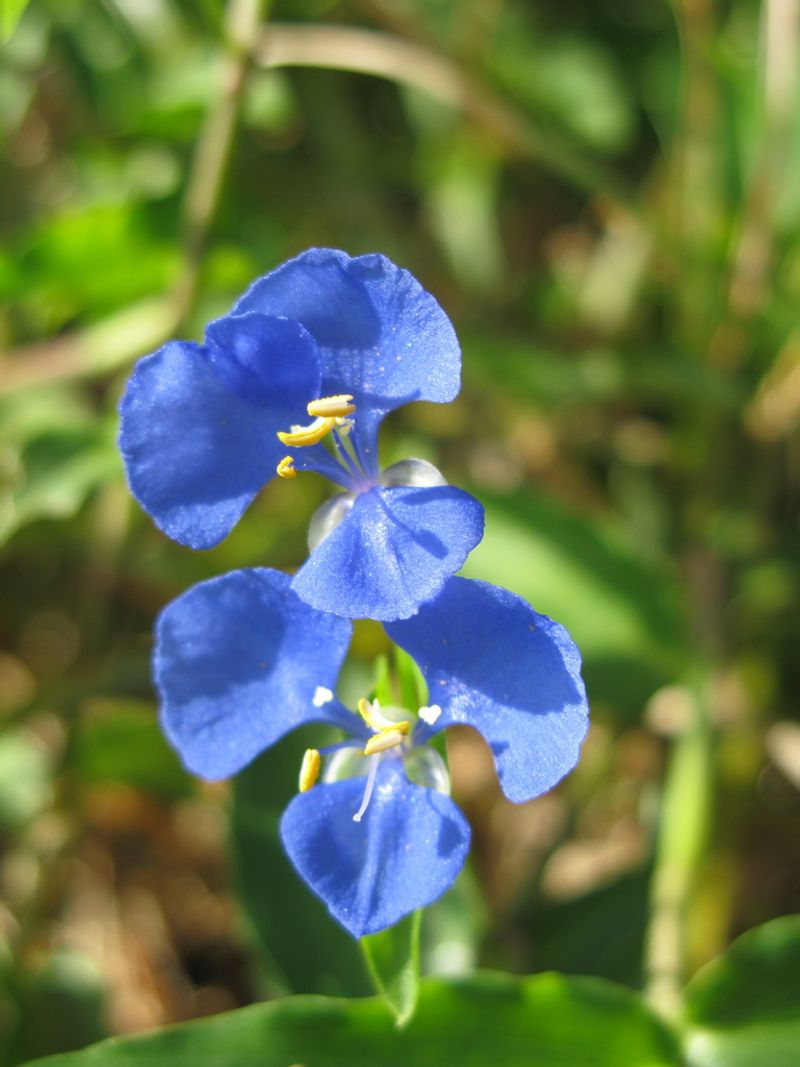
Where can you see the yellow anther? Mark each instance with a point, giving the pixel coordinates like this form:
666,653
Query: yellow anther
285,468
309,769
329,413
307,435
390,738
331,407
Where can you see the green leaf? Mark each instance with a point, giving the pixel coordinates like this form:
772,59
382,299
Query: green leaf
121,742
53,473
454,928
572,934
11,12
303,949
90,261
548,1019
743,1009
60,1006
393,960
574,82
411,681
383,681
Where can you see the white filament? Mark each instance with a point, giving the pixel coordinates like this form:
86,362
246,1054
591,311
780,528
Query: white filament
373,771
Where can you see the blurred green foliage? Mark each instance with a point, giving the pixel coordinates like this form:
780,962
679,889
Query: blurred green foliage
603,197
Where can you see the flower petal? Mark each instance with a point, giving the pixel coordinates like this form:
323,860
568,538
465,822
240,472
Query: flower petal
196,449
392,551
238,663
403,855
268,361
494,663
384,339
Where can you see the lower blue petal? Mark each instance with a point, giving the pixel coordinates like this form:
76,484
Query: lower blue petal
238,663
392,552
403,855
195,453
494,663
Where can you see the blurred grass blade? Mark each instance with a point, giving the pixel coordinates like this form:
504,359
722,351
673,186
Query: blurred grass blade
393,960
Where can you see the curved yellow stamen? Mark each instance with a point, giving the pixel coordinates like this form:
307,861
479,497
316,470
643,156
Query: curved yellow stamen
331,407
309,769
329,413
285,468
307,435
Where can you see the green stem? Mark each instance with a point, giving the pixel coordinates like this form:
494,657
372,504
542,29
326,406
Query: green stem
392,958
215,144
697,209
685,817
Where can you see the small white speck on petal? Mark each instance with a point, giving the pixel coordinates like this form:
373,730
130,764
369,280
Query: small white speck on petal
322,696
430,714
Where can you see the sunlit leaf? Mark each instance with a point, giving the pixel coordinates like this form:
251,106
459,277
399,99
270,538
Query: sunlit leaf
54,473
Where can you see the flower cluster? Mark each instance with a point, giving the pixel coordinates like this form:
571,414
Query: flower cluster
298,377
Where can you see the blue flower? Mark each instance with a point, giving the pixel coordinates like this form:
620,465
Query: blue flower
240,661
341,342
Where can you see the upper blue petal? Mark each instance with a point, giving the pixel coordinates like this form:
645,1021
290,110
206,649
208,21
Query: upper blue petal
198,423
384,339
269,361
393,551
403,855
237,663
494,663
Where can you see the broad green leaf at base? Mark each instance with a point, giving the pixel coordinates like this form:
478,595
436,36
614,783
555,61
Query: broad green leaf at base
548,1019
743,1009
